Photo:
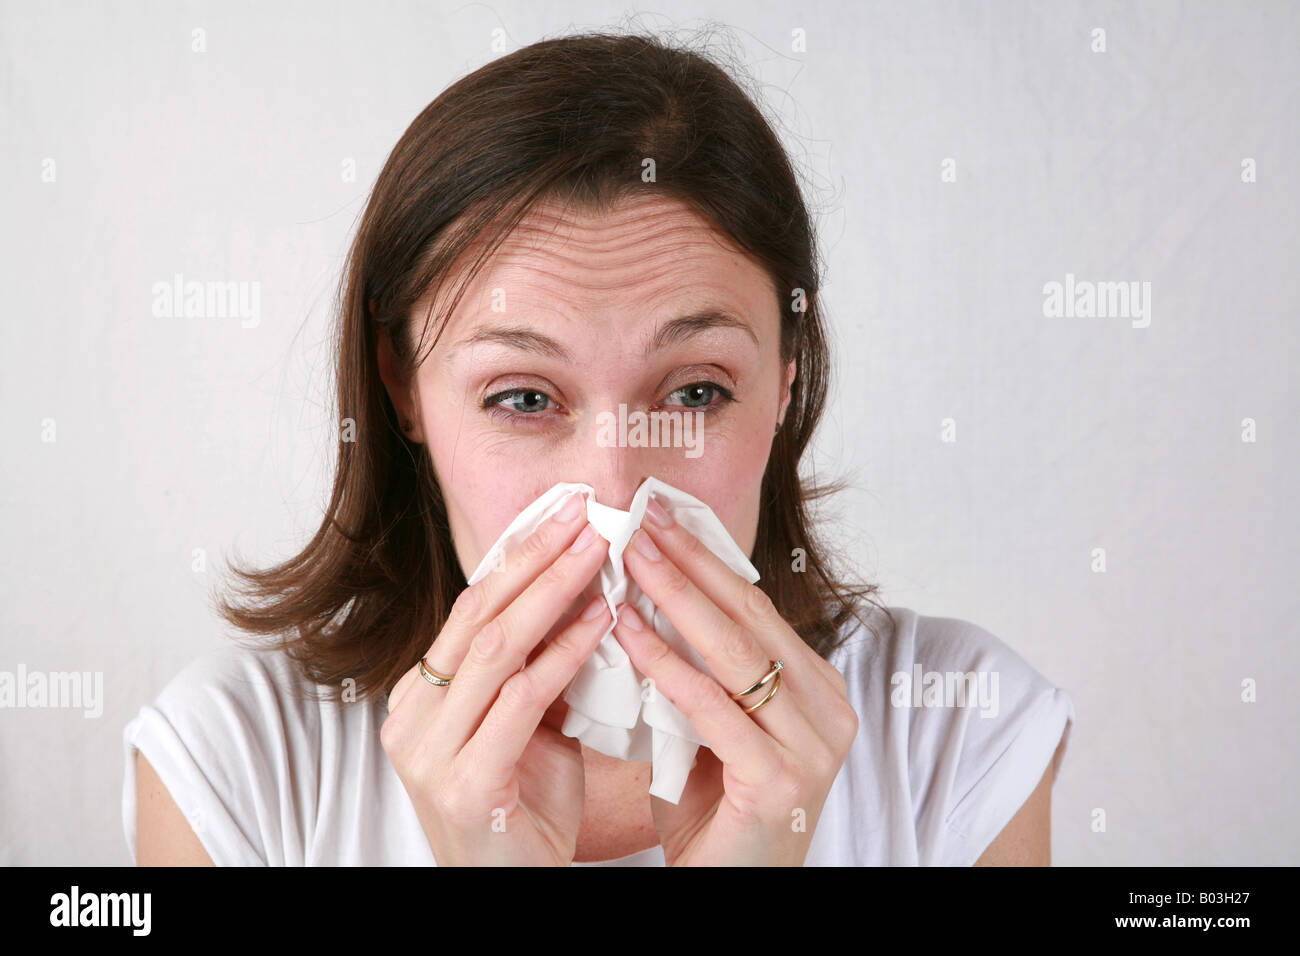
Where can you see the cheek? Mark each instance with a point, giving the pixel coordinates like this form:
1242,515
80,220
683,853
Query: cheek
480,510
728,477
485,482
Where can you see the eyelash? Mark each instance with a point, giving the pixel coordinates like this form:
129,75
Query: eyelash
491,404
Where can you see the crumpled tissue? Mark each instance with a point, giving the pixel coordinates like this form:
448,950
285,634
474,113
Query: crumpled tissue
610,709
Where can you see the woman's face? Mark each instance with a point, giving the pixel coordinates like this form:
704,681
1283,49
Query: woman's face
573,316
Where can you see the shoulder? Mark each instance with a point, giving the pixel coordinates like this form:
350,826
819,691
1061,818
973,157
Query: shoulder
238,697
235,681
971,723
234,736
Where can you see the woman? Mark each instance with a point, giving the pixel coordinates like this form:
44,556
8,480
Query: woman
590,222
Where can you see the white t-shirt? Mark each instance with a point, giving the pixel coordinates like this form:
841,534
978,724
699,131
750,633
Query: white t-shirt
268,777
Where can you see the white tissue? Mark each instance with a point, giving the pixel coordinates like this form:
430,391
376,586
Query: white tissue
609,710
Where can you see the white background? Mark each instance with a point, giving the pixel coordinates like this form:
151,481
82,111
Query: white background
1072,434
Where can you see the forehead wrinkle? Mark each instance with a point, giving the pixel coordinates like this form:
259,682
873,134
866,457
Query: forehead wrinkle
541,262
629,217
652,258
560,233
642,279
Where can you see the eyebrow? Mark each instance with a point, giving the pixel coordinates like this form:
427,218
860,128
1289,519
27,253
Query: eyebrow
672,332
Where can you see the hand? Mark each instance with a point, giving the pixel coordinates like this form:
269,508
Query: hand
754,797
491,783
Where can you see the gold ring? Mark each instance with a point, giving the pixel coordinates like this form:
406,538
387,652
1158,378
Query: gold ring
776,667
432,676
776,685
772,677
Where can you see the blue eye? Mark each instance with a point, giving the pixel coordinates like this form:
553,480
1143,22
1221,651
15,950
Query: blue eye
533,397
707,387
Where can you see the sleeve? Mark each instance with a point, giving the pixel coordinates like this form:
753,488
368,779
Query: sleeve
988,756
210,736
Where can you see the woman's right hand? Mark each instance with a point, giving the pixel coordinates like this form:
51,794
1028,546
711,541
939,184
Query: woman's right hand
491,784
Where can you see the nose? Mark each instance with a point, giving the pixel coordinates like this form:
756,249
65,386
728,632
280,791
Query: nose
615,473
615,450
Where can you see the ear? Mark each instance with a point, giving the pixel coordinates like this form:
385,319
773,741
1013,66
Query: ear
786,386
404,395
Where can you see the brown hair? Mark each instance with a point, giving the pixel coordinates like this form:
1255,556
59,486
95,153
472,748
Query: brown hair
568,119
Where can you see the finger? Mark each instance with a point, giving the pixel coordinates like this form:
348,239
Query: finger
743,602
734,655
745,749
816,685
494,751
403,685
478,604
501,648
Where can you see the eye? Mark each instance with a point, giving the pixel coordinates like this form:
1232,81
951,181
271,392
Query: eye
708,388
531,399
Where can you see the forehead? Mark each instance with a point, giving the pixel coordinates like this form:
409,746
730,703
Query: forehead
644,258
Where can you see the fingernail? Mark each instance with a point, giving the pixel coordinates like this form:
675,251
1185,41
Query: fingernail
588,535
645,545
658,514
594,608
631,618
571,508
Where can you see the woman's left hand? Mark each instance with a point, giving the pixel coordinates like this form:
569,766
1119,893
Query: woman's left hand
754,796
